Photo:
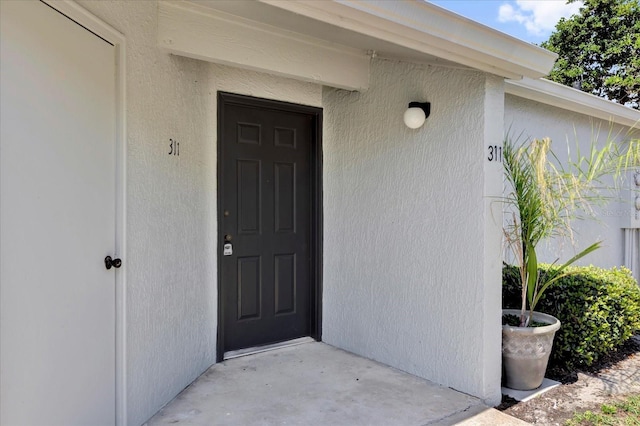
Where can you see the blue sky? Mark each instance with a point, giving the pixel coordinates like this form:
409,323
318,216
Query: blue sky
529,20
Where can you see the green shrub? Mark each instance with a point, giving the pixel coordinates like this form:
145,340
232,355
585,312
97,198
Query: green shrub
599,310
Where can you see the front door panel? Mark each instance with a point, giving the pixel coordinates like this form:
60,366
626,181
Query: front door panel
266,223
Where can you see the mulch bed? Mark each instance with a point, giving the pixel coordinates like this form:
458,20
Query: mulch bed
564,376
630,347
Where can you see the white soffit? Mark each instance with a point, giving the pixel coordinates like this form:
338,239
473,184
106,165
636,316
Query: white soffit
204,33
560,96
429,30
329,41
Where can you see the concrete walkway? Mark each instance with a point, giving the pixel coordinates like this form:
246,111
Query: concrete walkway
317,384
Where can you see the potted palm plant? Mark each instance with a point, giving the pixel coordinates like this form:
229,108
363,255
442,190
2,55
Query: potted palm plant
542,199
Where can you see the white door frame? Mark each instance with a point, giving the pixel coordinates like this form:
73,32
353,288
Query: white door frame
103,30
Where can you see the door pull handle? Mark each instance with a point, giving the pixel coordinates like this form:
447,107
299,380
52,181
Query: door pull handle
109,262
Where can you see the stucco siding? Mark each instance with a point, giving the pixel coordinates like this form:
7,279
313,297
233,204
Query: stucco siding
568,130
493,114
411,265
253,83
404,229
412,232
171,267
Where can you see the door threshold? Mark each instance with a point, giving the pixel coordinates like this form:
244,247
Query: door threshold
257,349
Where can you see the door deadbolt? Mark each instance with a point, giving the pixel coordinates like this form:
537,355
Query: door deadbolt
109,262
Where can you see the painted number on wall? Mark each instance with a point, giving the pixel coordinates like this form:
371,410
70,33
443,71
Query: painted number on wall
495,153
174,147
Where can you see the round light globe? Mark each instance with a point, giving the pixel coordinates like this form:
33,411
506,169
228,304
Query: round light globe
414,117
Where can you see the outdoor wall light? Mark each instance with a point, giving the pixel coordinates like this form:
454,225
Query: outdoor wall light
416,114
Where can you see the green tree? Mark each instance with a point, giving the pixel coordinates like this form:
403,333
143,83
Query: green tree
599,50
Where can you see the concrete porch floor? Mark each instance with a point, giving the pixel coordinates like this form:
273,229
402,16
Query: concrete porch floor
317,384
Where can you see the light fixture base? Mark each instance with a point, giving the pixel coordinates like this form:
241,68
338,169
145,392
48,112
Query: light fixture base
425,106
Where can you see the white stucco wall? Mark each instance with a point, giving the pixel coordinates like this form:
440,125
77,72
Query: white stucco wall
411,236
566,129
411,256
251,83
411,249
171,267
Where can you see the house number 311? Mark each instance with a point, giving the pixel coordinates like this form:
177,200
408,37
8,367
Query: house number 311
495,153
174,147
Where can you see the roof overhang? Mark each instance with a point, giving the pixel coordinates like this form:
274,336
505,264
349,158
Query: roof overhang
331,41
560,96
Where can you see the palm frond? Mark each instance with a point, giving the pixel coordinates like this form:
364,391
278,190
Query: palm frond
545,197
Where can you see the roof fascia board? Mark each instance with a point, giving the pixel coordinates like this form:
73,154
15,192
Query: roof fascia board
560,96
432,30
198,32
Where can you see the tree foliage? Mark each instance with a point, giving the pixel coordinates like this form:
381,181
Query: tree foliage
599,50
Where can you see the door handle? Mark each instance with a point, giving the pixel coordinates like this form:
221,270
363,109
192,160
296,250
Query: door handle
109,262
227,238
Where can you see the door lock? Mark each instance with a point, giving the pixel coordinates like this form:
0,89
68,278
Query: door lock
227,248
109,262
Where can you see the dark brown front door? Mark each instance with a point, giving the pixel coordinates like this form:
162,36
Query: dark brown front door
268,216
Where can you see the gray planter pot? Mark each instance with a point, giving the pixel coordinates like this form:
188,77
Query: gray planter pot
526,350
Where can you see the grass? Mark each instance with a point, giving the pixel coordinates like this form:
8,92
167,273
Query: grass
624,413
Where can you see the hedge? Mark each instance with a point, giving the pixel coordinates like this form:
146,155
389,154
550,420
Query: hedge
599,310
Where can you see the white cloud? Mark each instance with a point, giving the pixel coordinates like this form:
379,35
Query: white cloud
539,17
